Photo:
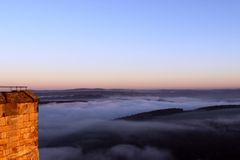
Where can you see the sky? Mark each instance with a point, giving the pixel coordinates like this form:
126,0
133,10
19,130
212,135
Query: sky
139,44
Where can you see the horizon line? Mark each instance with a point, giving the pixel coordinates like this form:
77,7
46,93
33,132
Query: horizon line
144,89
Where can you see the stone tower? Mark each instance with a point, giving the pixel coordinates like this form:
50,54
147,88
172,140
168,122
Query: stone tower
18,125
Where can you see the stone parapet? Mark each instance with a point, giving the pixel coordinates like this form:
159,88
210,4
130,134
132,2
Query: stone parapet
18,126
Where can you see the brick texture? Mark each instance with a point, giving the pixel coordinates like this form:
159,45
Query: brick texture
18,126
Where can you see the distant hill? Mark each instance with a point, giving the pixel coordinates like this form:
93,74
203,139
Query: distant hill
165,113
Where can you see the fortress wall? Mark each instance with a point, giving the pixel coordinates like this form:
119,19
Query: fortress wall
18,126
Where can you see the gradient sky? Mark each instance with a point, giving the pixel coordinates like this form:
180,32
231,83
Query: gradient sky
55,44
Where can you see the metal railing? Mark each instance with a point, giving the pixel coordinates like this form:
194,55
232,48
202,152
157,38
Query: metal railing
14,88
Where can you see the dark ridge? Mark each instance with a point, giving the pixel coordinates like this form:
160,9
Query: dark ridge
152,114
165,112
163,100
211,108
67,101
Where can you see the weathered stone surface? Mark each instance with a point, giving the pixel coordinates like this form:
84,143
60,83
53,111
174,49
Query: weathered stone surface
2,98
17,97
32,95
18,126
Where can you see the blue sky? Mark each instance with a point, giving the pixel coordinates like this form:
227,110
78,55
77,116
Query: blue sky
120,44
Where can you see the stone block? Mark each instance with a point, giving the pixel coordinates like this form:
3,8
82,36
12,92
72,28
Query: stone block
3,121
3,135
26,117
4,128
3,141
10,109
2,98
1,110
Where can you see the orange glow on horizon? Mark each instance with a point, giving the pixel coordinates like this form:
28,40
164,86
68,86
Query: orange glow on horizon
138,80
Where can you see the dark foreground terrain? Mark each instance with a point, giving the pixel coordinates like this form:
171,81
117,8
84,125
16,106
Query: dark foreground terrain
209,133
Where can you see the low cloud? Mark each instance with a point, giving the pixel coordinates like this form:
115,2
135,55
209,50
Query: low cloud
114,140
123,151
59,153
85,131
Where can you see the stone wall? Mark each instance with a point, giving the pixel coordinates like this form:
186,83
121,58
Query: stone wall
18,126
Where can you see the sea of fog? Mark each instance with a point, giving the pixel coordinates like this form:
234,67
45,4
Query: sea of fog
57,120
115,107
